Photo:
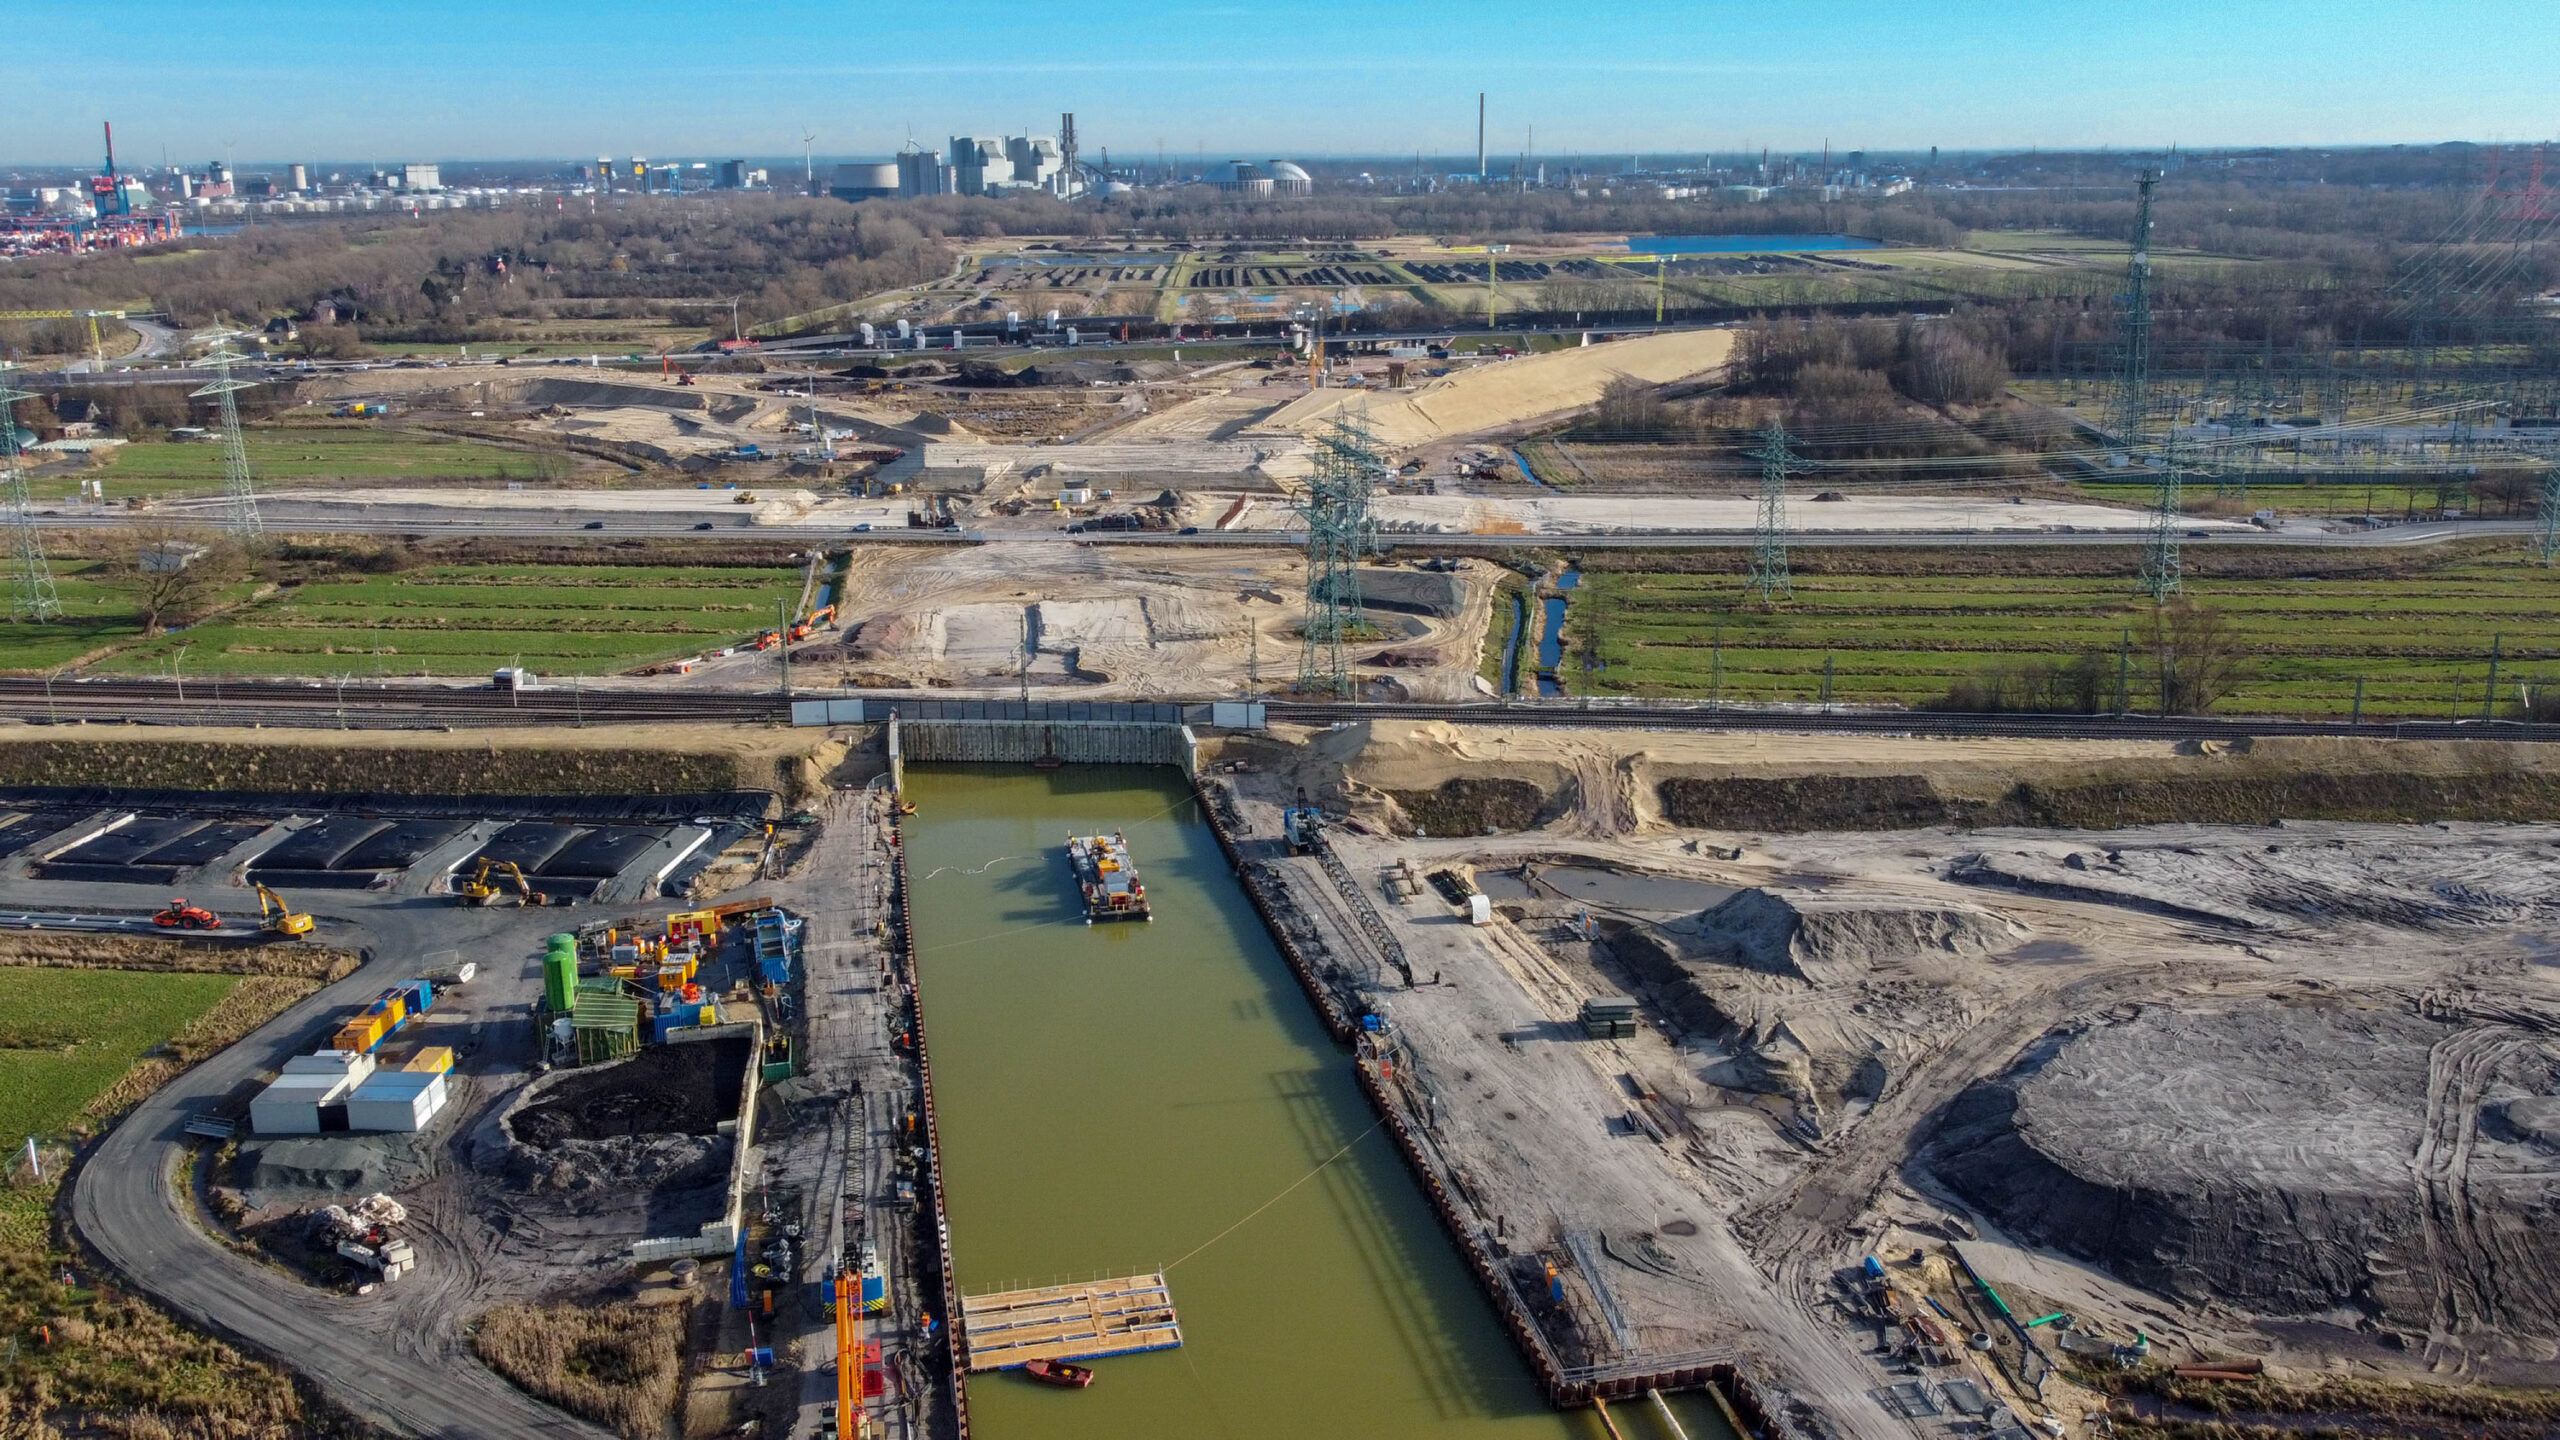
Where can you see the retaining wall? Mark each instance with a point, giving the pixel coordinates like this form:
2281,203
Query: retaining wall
1022,742
1563,1387
905,953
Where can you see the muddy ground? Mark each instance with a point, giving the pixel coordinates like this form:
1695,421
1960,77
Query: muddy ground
2256,1082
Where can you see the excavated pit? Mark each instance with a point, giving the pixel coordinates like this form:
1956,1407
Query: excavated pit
649,1132
2354,1164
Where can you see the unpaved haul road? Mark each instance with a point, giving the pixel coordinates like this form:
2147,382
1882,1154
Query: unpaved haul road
125,1204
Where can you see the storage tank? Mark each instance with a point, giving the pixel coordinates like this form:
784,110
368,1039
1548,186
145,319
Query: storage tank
865,182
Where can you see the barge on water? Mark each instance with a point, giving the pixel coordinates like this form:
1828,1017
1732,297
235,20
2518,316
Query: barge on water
1110,883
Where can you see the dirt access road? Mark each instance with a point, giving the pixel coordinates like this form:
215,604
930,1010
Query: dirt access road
398,1357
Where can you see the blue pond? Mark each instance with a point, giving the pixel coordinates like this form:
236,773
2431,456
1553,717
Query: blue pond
1742,244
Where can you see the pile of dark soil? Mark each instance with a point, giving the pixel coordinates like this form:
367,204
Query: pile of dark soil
2295,1161
685,1089
1908,802
1472,806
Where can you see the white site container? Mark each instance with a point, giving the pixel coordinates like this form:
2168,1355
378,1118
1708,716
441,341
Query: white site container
354,1065
1480,909
397,1101
291,1106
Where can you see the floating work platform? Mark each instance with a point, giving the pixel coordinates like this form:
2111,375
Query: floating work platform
1069,1322
1110,882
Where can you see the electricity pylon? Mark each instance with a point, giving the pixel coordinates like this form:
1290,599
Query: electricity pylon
241,508
1340,530
31,592
2163,568
2133,360
1770,581
2547,547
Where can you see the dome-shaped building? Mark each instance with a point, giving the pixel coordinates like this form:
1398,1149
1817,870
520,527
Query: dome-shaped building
1288,179
1271,177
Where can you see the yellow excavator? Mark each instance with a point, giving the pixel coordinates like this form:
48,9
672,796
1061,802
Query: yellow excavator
483,888
277,918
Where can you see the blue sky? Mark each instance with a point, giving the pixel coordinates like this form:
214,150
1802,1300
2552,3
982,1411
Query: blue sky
285,79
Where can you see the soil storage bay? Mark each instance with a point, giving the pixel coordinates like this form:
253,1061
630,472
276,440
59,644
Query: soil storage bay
1115,1098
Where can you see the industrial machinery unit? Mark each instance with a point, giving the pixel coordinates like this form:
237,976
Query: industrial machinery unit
483,889
277,918
1110,883
182,916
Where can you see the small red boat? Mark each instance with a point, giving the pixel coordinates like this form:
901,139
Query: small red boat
1058,1373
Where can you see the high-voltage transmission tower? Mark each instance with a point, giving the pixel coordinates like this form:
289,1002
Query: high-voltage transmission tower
1340,530
1770,581
2133,361
241,509
31,592
2547,546
2164,570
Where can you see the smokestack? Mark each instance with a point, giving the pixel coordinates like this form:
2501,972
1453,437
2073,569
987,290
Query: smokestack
1479,137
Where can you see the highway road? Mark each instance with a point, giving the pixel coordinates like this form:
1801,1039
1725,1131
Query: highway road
284,514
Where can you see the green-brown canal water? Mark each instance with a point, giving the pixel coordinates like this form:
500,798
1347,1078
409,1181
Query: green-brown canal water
1118,1098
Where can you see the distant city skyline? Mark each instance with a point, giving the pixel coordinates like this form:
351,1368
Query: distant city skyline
271,82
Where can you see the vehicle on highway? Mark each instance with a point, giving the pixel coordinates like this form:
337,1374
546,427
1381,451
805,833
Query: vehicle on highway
1188,530
592,525
862,529
702,525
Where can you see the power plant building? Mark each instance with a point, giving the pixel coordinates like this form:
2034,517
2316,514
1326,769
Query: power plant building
979,163
920,173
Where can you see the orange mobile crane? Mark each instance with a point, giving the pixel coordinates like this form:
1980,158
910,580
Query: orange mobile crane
851,1421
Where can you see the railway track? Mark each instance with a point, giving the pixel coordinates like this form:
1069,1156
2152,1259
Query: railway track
383,705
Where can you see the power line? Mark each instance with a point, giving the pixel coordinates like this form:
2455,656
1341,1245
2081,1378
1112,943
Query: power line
241,498
2133,366
31,592
1340,530
1770,580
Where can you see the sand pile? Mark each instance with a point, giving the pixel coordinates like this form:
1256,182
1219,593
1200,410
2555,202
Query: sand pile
1492,395
2297,1161
1815,1000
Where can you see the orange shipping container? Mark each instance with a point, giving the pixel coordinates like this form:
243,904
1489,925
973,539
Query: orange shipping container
360,1034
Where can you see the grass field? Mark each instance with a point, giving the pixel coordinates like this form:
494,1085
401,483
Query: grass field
97,612
309,456
470,619
66,1035
2420,641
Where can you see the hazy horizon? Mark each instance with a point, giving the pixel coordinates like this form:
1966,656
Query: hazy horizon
478,83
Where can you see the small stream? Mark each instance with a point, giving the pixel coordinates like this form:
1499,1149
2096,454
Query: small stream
1551,640
1511,646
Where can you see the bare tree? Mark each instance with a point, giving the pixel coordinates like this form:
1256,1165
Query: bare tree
2198,657
176,576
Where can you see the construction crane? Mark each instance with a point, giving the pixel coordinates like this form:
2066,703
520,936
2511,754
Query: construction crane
849,1353
97,345
277,918
483,889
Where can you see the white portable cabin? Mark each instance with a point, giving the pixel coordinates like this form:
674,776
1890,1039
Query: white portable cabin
354,1065
291,1105
399,1101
